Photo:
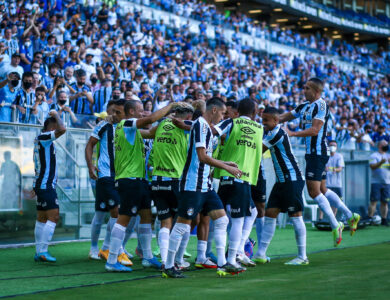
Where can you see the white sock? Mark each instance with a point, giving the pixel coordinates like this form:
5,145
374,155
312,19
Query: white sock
38,232
323,203
96,225
300,235
210,239
117,236
266,236
110,225
246,229
129,231
259,228
220,226
335,201
163,242
234,239
47,234
175,238
145,239
182,248
201,253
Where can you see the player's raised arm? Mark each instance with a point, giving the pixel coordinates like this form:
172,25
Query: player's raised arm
60,127
157,115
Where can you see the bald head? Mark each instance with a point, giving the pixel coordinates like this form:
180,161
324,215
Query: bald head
383,146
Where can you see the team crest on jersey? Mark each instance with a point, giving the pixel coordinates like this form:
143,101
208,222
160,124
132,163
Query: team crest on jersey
111,202
248,130
102,205
168,127
190,211
134,210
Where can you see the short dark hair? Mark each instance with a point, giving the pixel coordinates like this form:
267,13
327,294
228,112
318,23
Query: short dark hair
40,89
215,101
131,104
49,121
246,107
232,104
27,74
271,110
120,102
318,82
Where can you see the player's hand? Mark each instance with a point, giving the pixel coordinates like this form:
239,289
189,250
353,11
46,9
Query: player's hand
383,161
93,171
236,172
231,163
288,131
53,113
109,119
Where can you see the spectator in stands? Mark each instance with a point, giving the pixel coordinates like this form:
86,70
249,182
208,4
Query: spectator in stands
63,109
8,92
381,134
13,66
25,98
81,100
380,181
366,142
40,108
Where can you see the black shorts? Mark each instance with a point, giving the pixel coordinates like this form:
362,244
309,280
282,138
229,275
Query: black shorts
107,196
46,199
380,192
287,196
192,203
259,191
134,196
337,190
165,194
237,195
315,166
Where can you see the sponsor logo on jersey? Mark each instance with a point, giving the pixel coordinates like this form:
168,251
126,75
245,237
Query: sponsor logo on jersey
102,205
111,202
163,212
168,127
247,130
291,208
134,210
236,210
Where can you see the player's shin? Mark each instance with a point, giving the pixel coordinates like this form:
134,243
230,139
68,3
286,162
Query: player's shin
220,226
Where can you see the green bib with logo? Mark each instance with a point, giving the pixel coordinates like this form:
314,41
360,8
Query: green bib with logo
169,150
244,146
129,153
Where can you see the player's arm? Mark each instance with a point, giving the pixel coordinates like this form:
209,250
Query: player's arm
230,167
157,115
222,128
265,148
181,124
286,117
60,127
88,157
312,131
148,133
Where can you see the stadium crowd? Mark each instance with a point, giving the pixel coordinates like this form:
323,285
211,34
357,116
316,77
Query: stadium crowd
74,58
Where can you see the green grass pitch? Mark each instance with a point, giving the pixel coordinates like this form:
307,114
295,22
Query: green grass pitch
359,269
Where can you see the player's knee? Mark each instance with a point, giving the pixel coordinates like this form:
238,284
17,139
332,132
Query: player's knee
221,223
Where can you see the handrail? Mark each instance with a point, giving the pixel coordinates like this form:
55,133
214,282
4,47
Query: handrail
71,129
70,199
69,154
